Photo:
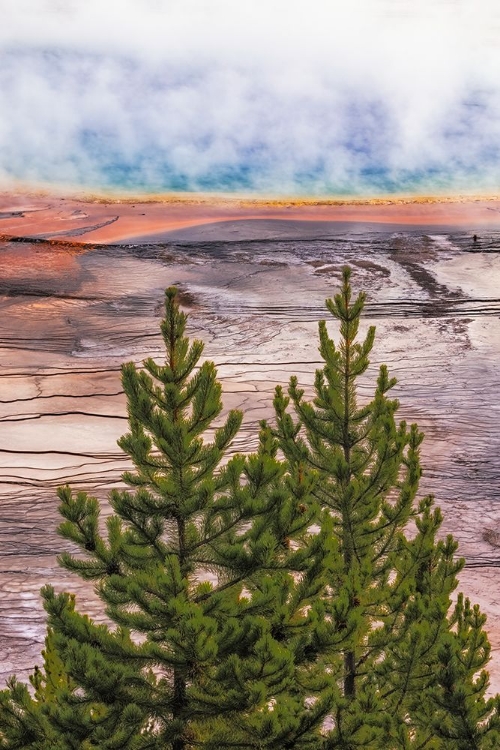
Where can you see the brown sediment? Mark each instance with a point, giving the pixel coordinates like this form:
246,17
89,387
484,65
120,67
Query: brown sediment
48,260
113,219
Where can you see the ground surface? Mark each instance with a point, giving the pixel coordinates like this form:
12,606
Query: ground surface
253,280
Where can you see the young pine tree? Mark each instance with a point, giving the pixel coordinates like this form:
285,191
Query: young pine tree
390,592
462,718
236,624
23,719
208,571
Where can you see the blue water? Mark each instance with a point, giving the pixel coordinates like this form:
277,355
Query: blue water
111,122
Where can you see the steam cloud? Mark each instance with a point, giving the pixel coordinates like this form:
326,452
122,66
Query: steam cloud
272,97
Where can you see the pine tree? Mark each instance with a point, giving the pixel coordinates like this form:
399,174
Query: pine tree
461,716
208,570
172,567
391,593
23,721
258,602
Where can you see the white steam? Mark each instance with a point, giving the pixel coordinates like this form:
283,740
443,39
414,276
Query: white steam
274,96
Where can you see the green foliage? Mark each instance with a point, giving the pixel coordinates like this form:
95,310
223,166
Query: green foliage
299,598
24,722
54,678
391,593
207,567
462,718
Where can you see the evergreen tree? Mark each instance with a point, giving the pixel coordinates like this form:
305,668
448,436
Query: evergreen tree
23,721
392,591
207,568
259,602
461,716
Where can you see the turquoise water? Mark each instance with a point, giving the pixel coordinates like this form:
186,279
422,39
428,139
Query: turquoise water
114,122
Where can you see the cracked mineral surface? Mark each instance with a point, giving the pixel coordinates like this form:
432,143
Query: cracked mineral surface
254,287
